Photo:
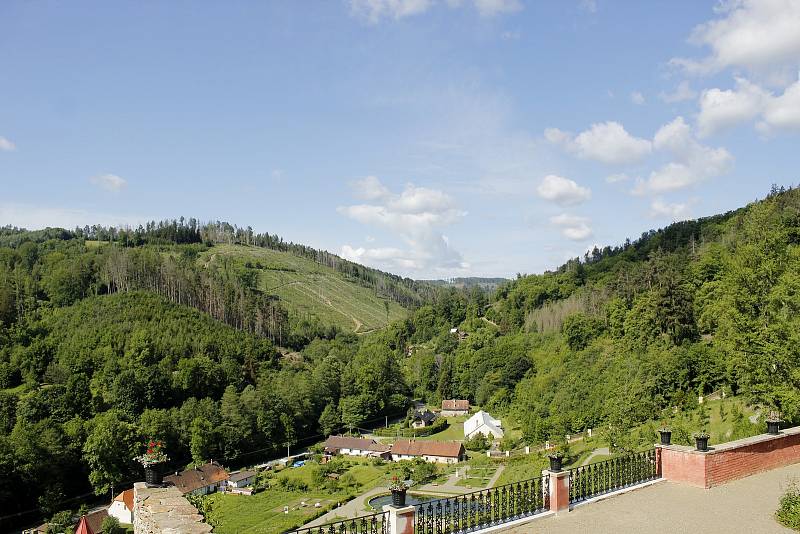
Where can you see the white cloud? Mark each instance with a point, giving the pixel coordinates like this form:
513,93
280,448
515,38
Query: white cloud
617,178
573,227
606,142
590,6
782,112
692,162
637,98
109,182
681,93
35,217
417,216
758,35
722,109
373,11
562,191
675,211
490,8
369,188
6,145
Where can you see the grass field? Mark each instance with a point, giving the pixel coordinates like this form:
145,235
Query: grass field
307,288
263,513
454,432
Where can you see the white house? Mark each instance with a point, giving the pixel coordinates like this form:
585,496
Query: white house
201,480
122,507
483,423
455,407
241,479
355,446
443,452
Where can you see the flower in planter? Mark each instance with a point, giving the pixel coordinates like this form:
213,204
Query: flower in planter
397,484
774,417
155,454
556,453
664,427
702,434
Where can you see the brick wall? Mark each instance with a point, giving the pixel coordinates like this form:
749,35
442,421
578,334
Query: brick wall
730,461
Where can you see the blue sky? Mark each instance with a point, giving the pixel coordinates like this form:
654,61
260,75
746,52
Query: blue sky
431,138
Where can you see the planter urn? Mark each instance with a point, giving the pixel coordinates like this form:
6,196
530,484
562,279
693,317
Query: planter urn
773,427
666,437
555,463
398,497
152,475
701,443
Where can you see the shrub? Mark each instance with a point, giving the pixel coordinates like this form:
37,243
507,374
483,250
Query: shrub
478,443
788,513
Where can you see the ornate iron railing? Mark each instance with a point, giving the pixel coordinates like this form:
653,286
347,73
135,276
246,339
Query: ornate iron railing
610,475
484,508
366,524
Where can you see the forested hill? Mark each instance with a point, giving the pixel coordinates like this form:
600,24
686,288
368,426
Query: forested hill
631,333
109,338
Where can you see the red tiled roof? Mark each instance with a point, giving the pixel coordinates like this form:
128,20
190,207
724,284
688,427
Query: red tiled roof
447,449
126,497
335,443
455,404
199,477
83,527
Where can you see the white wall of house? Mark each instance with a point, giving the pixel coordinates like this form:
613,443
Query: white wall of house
121,512
241,483
354,452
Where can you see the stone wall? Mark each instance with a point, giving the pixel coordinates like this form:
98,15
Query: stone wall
730,461
164,510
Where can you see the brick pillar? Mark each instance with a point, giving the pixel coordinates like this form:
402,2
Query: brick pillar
401,519
559,490
659,472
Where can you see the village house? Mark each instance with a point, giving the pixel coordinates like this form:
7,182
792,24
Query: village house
355,447
483,423
122,507
422,418
455,407
241,479
201,480
443,452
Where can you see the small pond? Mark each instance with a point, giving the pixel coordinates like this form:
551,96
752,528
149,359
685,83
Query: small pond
411,500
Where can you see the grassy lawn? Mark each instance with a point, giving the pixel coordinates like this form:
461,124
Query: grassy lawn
454,432
308,288
264,511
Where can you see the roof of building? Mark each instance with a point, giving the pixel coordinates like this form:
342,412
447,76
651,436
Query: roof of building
127,498
199,477
83,527
424,415
335,443
455,404
241,475
482,419
94,520
448,449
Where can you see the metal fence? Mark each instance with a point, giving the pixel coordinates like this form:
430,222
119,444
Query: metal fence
610,475
484,508
366,524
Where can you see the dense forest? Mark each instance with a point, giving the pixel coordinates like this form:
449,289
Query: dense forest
108,337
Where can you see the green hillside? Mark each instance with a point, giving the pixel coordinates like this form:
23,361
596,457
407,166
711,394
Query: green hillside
307,288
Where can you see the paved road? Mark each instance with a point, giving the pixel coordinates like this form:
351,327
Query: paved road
744,506
602,451
451,486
